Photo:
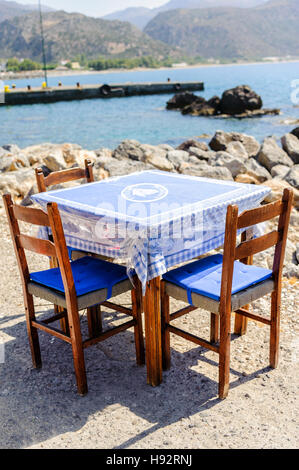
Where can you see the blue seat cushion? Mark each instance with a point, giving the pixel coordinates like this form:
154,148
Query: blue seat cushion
204,277
90,274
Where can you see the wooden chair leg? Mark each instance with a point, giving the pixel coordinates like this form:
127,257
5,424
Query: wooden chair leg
274,329
78,351
32,332
137,315
165,318
94,319
214,335
224,353
241,323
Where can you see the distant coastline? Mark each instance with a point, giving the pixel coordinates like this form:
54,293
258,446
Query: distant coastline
61,73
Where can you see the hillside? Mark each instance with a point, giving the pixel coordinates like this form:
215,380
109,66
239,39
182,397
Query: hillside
70,34
141,16
11,9
266,30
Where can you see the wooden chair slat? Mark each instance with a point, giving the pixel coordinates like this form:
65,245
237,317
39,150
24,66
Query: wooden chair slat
32,216
252,247
259,215
65,176
37,245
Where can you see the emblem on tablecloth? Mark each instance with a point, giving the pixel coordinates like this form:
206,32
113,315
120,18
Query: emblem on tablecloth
144,192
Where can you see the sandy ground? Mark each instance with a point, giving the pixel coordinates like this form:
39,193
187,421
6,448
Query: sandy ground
40,409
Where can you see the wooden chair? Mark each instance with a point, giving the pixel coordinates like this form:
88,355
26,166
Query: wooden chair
59,177
63,176
73,286
222,285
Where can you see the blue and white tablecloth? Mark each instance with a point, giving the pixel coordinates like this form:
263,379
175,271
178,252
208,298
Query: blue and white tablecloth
152,219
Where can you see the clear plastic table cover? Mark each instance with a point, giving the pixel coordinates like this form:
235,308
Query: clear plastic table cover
151,219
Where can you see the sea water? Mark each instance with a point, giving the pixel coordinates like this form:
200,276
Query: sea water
106,122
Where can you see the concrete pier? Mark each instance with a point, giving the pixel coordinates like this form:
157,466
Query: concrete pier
82,92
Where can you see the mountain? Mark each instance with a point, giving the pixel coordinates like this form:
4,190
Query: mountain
69,34
266,30
11,9
141,16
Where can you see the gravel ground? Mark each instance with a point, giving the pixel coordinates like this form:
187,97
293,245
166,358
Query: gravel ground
41,409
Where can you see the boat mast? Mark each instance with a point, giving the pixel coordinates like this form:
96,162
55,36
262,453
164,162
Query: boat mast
43,41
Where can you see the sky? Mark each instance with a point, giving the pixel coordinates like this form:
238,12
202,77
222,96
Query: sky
96,7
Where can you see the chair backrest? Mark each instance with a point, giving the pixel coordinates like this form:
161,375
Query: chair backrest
63,176
23,242
248,248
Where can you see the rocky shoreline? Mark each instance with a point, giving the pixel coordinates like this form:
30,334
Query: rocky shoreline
228,156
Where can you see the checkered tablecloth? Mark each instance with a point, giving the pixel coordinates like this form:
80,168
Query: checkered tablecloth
152,219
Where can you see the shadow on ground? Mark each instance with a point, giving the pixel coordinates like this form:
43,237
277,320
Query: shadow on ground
37,405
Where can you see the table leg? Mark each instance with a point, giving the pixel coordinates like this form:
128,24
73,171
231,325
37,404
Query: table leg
152,318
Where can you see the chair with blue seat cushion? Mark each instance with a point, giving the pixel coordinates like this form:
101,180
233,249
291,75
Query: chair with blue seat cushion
74,286
59,177
221,284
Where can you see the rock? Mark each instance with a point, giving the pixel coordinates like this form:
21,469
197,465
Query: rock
246,178
176,157
280,171
271,154
292,176
200,154
181,100
3,153
257,171
159,161
103,152
291,270
129,149
295,132
206,171
290,143
237,149
55,160
13,163
18,183
297,253
201,107
240,99
116,168
233,164
166,147
221,140
277,186
194,144
11,148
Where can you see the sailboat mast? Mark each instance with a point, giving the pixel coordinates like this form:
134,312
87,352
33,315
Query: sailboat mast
43,41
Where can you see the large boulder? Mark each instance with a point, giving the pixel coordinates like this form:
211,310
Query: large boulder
234,164
201,107
295,132
193,143
129,149
290,143
181,100
240,99
277,187
176,157
222,139
257,171
292,177
271,154
201,168
280,171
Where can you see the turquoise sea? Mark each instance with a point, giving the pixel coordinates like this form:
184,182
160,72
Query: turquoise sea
105,123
